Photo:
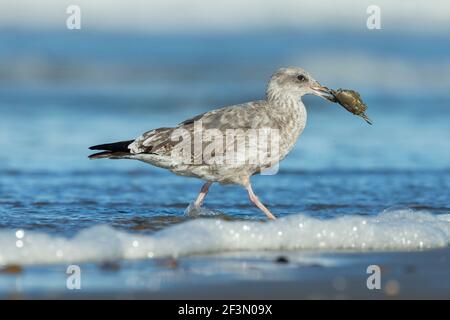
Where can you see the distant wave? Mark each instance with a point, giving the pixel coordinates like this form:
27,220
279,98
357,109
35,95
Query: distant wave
392,230
387,75
151,66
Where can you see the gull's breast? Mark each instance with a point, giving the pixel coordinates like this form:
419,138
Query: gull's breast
291,127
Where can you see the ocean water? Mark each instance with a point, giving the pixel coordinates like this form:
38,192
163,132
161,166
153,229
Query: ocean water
346,185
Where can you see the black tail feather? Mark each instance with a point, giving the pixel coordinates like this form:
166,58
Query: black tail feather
100,155
109,155
114,150
121,146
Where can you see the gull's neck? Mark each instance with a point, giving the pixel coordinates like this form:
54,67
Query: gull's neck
289,113
282,102
277,97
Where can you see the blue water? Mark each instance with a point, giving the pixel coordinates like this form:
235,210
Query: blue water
62,92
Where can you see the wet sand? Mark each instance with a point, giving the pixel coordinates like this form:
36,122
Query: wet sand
263,275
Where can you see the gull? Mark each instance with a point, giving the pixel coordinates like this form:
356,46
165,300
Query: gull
282,111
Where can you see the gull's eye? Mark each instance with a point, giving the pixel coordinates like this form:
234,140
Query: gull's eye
301,77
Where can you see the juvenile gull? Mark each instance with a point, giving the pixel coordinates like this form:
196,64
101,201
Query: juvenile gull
282,110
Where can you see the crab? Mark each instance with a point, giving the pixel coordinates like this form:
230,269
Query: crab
351,101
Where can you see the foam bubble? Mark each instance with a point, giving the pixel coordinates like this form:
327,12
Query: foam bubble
390,230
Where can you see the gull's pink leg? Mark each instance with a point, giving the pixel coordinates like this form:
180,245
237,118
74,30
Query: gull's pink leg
202,194
258,203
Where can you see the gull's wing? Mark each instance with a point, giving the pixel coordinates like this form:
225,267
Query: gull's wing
244,116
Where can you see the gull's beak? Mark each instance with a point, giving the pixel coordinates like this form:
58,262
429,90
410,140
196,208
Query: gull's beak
323,92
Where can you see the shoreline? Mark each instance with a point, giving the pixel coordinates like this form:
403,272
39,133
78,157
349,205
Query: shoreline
257,275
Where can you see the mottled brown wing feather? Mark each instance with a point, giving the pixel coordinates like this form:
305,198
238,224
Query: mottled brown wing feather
245,116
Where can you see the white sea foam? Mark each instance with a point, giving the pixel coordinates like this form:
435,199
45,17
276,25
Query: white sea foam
392,230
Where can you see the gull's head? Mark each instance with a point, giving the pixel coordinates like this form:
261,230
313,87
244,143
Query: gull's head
293,82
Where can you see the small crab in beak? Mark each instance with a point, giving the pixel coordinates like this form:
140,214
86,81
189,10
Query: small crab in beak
349,99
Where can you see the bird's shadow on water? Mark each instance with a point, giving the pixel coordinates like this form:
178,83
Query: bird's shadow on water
148,224
159,222
194,212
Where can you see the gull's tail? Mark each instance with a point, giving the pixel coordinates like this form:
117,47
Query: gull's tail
116,150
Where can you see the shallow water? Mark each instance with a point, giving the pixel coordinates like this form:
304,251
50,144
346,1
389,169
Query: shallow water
144,201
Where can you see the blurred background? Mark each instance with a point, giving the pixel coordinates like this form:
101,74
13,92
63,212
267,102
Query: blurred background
135,65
